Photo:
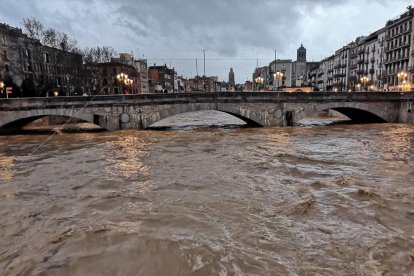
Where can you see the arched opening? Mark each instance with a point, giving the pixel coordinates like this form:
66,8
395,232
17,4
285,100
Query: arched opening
204,119
359,116
43,124
341,115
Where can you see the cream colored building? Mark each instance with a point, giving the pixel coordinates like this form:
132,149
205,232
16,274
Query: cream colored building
399,51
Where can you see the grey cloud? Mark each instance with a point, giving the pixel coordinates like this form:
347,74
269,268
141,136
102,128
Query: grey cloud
226,28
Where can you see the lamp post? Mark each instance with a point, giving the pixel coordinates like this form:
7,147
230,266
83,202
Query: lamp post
364,81
128,82
122,78
259,81
278,76
402,77
1,87
358,86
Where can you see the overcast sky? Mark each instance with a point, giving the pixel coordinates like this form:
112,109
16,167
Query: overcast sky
234,33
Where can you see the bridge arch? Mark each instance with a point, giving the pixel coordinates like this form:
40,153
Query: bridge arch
157,114
355,111
17,120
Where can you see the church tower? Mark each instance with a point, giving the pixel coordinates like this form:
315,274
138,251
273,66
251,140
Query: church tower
231,77
301,54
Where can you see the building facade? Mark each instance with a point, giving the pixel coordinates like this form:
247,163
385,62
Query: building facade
37,69
161,79
399,51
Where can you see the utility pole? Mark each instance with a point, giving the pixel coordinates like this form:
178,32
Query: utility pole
274,77
204,54
196,80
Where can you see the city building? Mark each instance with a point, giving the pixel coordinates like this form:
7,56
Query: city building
383,60
110,81
161,79
205,84
35,68
399,51
231,78
142,70
299,67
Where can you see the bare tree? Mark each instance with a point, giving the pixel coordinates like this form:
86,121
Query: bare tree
33,27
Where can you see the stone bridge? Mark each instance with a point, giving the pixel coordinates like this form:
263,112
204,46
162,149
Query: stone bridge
261,109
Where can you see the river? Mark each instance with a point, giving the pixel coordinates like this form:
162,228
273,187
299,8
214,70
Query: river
327,200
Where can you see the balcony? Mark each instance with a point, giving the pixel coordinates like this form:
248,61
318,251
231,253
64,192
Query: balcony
353,56
343,65
353,66
406,31
360,72
371,71
361,61
372,60
337,66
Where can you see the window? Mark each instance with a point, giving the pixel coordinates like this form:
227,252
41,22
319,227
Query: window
114,70
7,68
46,58
4,55
29,66
28,54
3,40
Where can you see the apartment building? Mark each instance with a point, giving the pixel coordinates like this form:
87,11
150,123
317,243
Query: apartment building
142,70
161,79
399,51
25,60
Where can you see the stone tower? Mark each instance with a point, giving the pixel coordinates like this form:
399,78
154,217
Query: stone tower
301,55
231,77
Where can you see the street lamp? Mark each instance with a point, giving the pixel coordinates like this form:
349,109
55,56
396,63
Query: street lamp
1,87
358,86
364,81
278,76
128,82
259,80
122,78
402,76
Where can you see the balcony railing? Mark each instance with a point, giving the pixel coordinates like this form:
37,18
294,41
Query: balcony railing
353,56
353,66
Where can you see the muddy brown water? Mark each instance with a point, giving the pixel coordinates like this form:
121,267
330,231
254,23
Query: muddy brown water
333,200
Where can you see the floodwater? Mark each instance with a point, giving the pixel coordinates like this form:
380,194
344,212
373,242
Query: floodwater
331,200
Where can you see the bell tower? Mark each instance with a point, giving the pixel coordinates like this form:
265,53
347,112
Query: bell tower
301,54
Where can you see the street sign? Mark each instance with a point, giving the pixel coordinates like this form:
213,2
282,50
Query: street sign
9,90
